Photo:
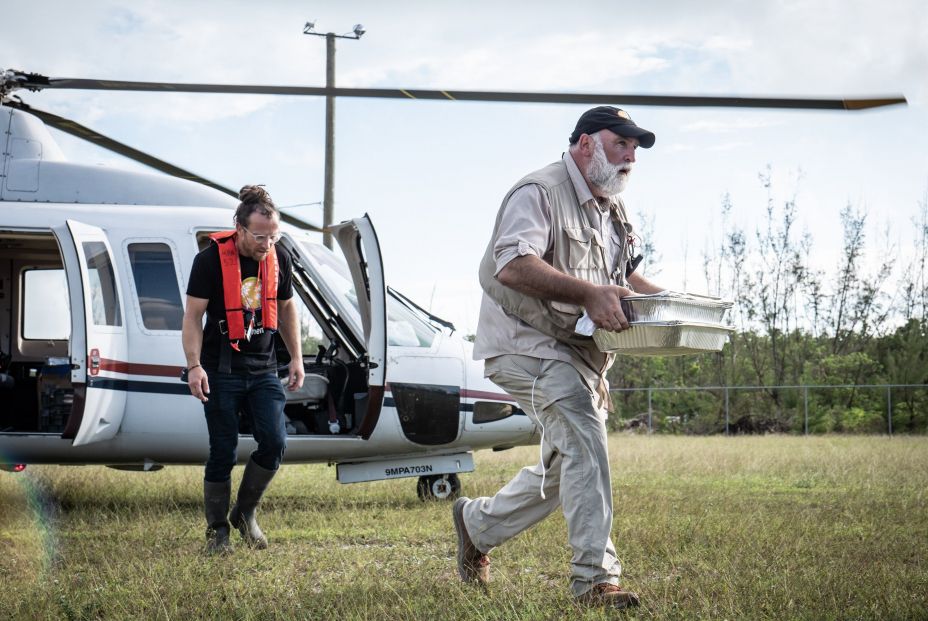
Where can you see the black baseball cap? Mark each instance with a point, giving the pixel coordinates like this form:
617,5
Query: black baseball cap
613,119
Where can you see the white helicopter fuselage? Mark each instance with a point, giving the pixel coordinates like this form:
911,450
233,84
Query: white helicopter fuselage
93,268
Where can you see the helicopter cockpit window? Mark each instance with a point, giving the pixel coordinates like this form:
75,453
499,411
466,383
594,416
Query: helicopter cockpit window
404,327
46,310
156,286
311,335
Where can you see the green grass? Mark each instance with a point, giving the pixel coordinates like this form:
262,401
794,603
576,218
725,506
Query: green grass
708,527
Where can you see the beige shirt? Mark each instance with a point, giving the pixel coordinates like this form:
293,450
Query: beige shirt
525,228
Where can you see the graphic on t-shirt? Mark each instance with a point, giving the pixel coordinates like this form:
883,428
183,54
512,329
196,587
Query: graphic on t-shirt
251,293
251,301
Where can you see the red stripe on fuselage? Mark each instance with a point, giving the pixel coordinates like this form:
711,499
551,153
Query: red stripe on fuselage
132,368
167,370
479,394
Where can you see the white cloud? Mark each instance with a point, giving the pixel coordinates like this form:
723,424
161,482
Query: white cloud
727,43
555,61
733,125
727,146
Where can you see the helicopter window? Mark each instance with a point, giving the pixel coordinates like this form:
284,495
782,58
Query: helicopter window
46,311
104,300
404,327
334,270
311,334
489,411
156,285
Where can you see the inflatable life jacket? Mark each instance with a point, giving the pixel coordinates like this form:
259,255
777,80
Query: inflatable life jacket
268,275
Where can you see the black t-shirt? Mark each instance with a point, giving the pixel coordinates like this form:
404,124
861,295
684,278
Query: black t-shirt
256,355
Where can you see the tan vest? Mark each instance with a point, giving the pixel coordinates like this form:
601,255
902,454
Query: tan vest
579,251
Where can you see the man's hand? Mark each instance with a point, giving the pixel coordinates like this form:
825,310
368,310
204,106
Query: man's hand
530,275
192,339
604,308
198,383
296,375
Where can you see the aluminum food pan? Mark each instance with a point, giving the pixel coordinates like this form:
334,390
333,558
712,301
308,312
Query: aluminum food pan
663,338
675,307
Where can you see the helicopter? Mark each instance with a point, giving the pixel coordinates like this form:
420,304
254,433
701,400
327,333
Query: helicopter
93,263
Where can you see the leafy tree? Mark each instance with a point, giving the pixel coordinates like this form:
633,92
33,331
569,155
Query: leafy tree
857,306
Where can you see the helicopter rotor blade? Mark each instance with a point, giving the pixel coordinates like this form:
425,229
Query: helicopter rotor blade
37,82
85,133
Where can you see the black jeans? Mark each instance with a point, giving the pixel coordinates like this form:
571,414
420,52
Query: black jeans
263,397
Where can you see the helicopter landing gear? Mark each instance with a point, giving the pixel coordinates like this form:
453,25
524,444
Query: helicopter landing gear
438,487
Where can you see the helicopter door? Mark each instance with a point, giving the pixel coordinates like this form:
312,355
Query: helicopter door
359,244
98,347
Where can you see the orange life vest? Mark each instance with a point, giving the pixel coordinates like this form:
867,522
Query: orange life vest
268,275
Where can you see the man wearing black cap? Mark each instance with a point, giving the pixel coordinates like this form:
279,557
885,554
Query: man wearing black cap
561,246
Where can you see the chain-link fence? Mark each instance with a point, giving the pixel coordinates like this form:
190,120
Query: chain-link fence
851,408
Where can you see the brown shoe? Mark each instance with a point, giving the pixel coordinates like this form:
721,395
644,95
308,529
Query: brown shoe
614,596
473,565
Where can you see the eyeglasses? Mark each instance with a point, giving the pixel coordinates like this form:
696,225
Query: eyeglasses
260,239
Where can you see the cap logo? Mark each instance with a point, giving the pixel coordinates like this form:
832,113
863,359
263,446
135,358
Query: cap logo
623,114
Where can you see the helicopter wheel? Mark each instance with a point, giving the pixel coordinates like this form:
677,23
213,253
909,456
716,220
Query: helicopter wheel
438,487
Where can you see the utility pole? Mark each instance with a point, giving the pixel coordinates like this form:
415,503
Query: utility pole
328,199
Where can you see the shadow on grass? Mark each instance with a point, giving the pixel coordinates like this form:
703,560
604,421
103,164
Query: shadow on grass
57,499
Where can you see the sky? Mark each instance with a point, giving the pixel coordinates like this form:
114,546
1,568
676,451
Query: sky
431,175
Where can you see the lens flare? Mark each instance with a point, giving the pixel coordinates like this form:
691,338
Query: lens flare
28,515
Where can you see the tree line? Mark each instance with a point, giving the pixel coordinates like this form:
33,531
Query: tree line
864,321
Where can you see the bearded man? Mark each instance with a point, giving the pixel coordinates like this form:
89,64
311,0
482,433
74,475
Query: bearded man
561,245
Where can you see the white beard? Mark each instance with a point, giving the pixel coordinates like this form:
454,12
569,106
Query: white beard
610,178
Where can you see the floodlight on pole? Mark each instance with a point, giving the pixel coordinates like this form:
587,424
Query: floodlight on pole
328,201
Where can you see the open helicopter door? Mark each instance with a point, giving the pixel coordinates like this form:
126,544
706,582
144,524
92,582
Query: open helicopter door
359,244
98,347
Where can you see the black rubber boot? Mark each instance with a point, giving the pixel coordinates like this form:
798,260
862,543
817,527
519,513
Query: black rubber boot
216,499
254,483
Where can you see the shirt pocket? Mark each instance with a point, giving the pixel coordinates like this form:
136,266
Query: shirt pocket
619,248
585,248
622,249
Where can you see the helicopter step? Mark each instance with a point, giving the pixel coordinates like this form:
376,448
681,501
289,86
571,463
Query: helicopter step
433,466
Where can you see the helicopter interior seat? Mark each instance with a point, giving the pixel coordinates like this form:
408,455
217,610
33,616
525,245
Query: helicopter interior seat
314,390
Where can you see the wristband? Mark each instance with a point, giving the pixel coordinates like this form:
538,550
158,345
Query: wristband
185,373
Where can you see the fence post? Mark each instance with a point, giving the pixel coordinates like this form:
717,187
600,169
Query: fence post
726,410
650,428
889,409
805,399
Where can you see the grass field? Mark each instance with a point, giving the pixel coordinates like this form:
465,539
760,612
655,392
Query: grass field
707,527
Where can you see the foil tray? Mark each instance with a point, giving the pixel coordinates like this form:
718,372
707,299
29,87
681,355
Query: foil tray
663,338
675,307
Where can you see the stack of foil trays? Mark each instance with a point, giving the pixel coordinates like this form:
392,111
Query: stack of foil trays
668,324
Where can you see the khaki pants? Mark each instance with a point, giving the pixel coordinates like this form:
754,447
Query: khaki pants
576,476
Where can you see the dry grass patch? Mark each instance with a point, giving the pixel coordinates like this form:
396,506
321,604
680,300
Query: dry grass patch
707,527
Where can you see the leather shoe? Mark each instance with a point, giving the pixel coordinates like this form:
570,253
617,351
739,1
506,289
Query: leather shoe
610,595
473,565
